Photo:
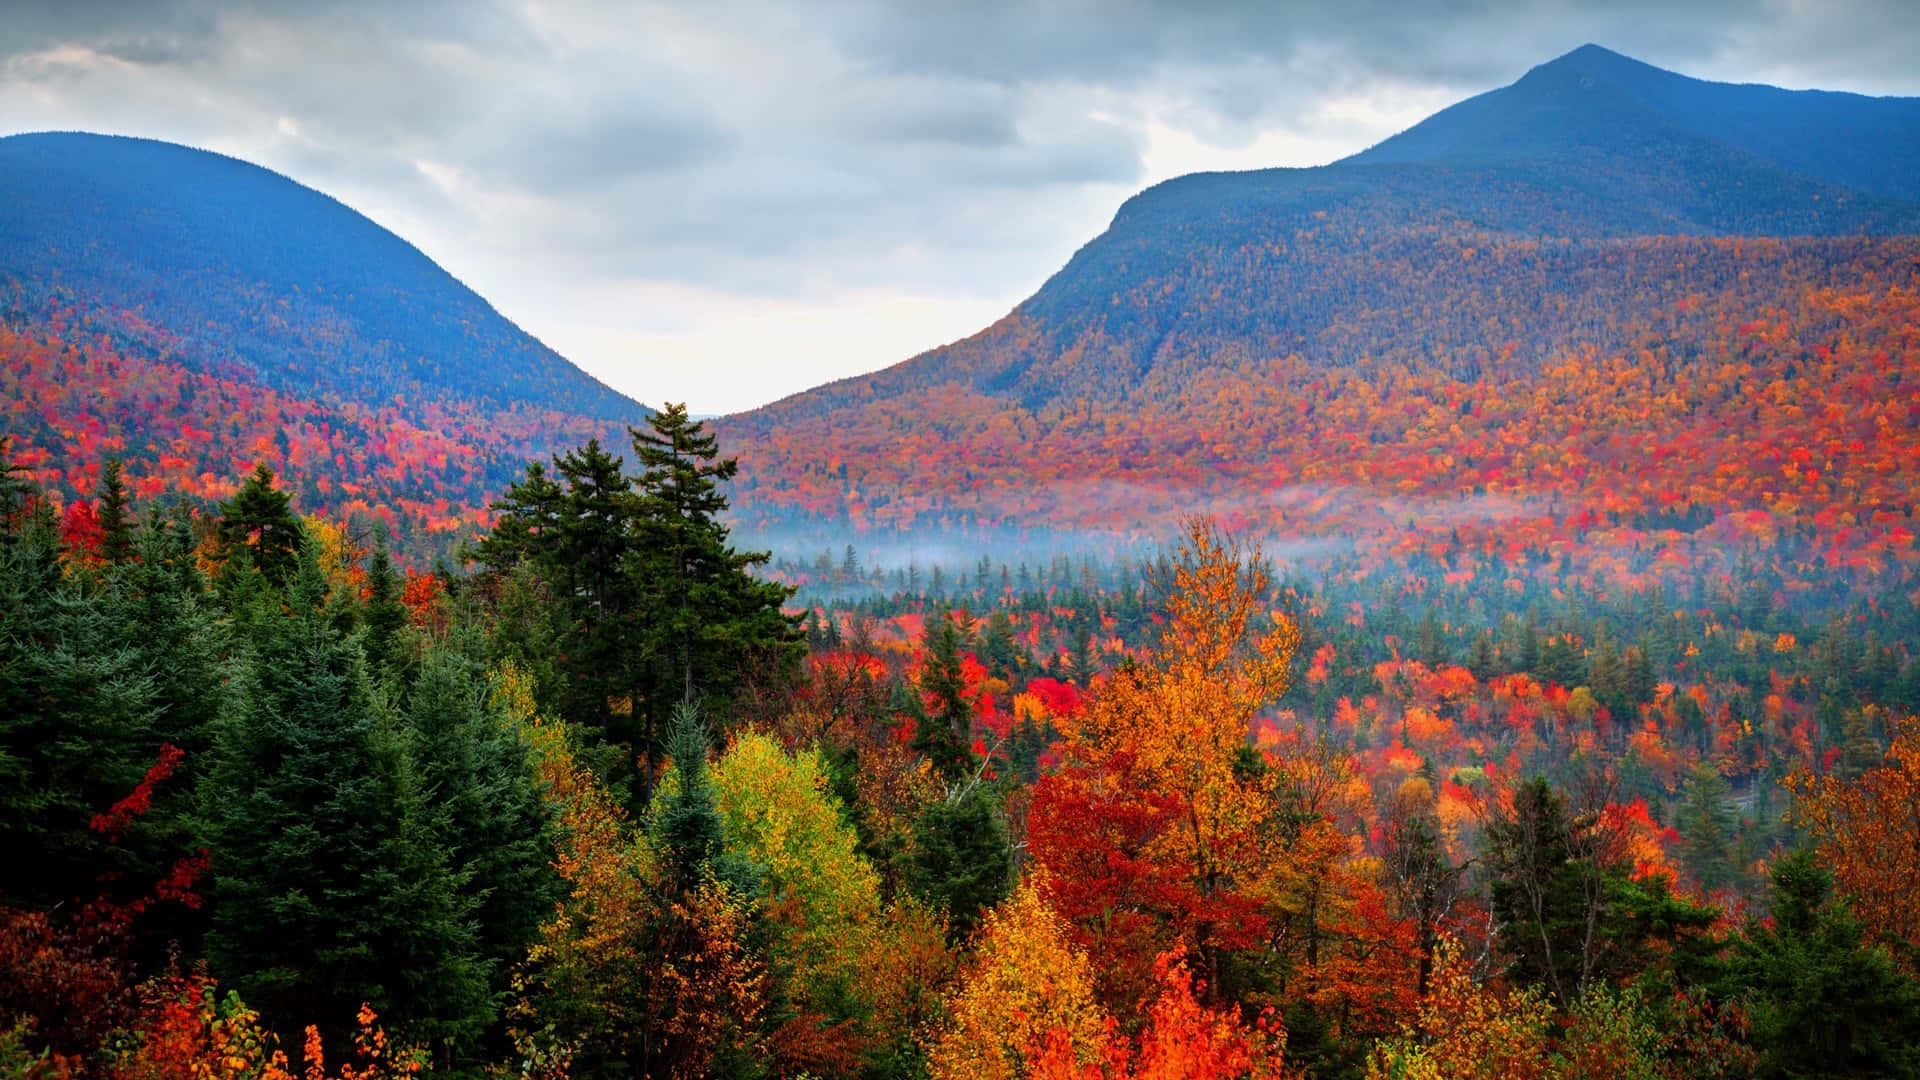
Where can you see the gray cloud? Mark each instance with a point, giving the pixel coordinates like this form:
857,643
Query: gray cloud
824,152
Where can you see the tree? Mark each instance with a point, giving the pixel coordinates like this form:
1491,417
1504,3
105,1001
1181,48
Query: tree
385,616
1026,981
706,611
961,859
779,816
1823,1001
260,518
330,887
485,811
116,526
1181,717
1707,829
943,734
1569,915
653,607
1867,832
1422,881
78,722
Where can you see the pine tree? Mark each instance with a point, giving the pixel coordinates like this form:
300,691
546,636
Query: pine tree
687,829
706,612
1707,829
944,734
1822,1002
961,861
485,812
77,717
116,527
329,888
260,517
385,617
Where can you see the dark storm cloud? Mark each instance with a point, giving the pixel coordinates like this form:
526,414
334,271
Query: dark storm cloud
758,148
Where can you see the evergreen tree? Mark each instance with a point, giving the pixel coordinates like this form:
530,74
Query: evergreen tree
1822,1001
486,811
706,612
943,734
1568,918
385,617
687,829
961,860
1707,829
260,517
116,526
330,887
77,720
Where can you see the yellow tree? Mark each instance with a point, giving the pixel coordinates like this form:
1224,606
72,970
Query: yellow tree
1027,984
1867,831
1466,1031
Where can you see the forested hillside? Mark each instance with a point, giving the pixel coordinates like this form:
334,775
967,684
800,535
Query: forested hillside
194,315
1566,314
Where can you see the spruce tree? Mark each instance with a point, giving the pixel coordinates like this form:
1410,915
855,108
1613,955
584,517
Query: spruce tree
942,736
385,617
706,612
961,862
1822,1002
330,887
1708,829
260,517
77,718
486,810
116,526
686,828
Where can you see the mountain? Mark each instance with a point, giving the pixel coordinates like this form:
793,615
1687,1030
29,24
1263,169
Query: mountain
1606,292
196,314
251,269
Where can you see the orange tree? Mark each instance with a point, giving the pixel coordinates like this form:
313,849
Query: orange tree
1867,831
1162,806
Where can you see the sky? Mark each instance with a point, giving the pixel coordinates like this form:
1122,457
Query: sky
724,202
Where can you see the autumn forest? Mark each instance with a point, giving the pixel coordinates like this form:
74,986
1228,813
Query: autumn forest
1454,612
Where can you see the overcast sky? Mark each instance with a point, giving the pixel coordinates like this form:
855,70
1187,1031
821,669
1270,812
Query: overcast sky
723,203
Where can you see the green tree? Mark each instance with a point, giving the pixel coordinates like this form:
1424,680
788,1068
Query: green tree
961,861
1708,829
116,524
943,735
1822,1001
330,887
77,722
260,517
385,617
708,617
486,811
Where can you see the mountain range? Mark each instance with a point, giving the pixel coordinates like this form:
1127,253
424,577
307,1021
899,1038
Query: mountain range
1601,300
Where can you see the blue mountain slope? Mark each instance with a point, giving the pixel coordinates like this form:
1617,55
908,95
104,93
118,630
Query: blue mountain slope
1585,99
248,268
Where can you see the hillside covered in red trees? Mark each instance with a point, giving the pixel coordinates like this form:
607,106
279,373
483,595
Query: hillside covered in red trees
1568,318
196,315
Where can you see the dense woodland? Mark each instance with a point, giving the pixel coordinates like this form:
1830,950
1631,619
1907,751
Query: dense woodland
1450,613
612,800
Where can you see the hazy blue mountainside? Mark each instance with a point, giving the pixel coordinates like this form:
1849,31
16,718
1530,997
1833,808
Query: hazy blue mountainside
249,270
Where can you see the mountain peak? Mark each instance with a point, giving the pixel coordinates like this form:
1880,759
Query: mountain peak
1596,104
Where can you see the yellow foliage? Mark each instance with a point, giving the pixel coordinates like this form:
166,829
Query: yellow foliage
1471,1032
1026,982
780,816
